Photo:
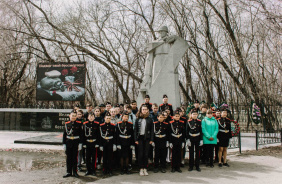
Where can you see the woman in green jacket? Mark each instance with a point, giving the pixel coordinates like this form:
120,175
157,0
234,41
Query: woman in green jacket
210,130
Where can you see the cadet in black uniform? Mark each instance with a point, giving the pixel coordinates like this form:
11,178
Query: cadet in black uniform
177,139
160,143
91,141
72,142
147,102
81,153
134,107
165,104
223,136
99,118
194,140
107,143
125,141
183,118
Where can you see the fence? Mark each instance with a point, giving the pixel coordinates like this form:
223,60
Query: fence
263,137
235,142
271,118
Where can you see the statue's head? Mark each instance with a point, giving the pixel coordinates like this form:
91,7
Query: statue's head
163,31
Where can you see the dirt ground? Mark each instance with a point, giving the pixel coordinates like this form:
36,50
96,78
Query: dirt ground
48,166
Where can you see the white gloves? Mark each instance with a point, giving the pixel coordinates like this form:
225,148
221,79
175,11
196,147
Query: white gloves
101,148
170,145
84,146
201,142
217,140
188,143
132,147
79,147
182,145
65,147
114,147
167,144
96,146
118,146
153,144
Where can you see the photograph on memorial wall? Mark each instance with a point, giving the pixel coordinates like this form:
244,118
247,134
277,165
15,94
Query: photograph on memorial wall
61,81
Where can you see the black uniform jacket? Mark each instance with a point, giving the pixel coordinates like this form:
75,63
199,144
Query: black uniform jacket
91,132
73,134
177,132
161,133
163,106
107,134
224,128
125,133
194,130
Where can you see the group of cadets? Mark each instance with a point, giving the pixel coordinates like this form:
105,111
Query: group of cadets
113,133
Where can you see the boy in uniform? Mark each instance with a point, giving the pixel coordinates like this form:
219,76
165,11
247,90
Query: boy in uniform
72,143
183,118
91,141
201,116
194,140
107,143
165,104
161,143
147,102
81,153
177,141
125,141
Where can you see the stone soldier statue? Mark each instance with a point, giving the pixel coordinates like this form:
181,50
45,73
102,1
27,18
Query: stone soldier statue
161,68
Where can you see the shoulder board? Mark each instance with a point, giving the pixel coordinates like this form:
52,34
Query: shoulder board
190,119
102,124
171,121
165,123
156,122
199,120
78,121
96,122
150,103
130,122
67,122
85,122
184,118
113,124
169,104
161,104
181,121
119,122
228,119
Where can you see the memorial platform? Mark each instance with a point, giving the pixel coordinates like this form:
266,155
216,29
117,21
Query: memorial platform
49,139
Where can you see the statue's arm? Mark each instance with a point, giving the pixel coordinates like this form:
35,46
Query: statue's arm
148,69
